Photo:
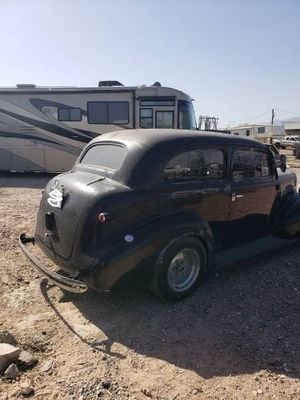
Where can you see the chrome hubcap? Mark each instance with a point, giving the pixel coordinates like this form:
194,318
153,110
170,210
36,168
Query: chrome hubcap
184,270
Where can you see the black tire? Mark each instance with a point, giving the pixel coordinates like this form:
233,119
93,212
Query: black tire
167,261
277,145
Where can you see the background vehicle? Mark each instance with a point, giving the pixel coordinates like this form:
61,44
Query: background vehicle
161,208
45,128
289,141
277,143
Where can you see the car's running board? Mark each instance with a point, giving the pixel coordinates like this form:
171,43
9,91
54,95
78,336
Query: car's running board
67,283
251,249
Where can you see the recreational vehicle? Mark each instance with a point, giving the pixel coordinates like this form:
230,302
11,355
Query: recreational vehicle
45,128
264,133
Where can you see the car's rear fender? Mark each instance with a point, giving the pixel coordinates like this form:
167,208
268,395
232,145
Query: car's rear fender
138,250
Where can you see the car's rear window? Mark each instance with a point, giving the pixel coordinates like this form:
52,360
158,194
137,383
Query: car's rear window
109,156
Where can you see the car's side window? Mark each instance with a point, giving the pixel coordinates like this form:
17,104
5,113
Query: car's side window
250,164
196,164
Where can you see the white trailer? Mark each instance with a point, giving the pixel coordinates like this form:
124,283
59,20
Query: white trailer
264,133
45,128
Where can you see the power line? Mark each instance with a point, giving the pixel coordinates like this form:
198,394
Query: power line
251,118
263,114
289,112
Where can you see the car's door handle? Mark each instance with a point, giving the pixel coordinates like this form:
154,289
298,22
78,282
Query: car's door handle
235,196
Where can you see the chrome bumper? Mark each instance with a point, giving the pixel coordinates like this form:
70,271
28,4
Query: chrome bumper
67,283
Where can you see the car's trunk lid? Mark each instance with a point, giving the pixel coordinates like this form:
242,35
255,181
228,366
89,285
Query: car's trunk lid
61,208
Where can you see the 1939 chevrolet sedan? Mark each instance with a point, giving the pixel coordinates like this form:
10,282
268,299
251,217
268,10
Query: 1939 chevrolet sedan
161,208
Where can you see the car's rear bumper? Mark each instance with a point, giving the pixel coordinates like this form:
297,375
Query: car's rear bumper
71,284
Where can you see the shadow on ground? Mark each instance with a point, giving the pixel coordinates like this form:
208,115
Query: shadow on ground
240,321
24,180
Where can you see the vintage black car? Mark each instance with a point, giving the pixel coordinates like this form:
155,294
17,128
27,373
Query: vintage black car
161,208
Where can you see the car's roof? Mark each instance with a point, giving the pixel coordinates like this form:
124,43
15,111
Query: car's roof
151,137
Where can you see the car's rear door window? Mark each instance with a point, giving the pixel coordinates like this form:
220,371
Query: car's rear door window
250,164
109,156
196,164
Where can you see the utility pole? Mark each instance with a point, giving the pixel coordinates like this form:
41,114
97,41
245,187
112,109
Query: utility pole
273,115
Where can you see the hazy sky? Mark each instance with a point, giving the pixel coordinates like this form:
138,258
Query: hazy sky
236,58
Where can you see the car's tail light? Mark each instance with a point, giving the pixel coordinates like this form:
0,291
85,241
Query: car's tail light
102,217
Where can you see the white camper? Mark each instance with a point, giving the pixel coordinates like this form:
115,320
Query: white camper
45,128
264,133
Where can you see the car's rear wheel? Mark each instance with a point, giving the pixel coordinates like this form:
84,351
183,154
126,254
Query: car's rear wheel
180,268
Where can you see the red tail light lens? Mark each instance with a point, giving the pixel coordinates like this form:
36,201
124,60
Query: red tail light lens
102,217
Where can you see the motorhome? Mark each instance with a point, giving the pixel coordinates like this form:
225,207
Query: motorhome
45,128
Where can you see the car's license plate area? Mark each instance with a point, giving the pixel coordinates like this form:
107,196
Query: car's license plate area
50,221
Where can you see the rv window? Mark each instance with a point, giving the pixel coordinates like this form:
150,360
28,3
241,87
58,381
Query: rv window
261,129
97,112
103,112
146,118
164,119
186,115
157,103
118,112
105,155
69,114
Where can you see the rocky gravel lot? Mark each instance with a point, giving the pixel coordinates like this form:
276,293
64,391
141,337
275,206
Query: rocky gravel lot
236,338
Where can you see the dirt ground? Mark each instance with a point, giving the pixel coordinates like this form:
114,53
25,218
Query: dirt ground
237,337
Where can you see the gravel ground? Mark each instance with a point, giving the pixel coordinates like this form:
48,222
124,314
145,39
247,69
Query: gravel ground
237,337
